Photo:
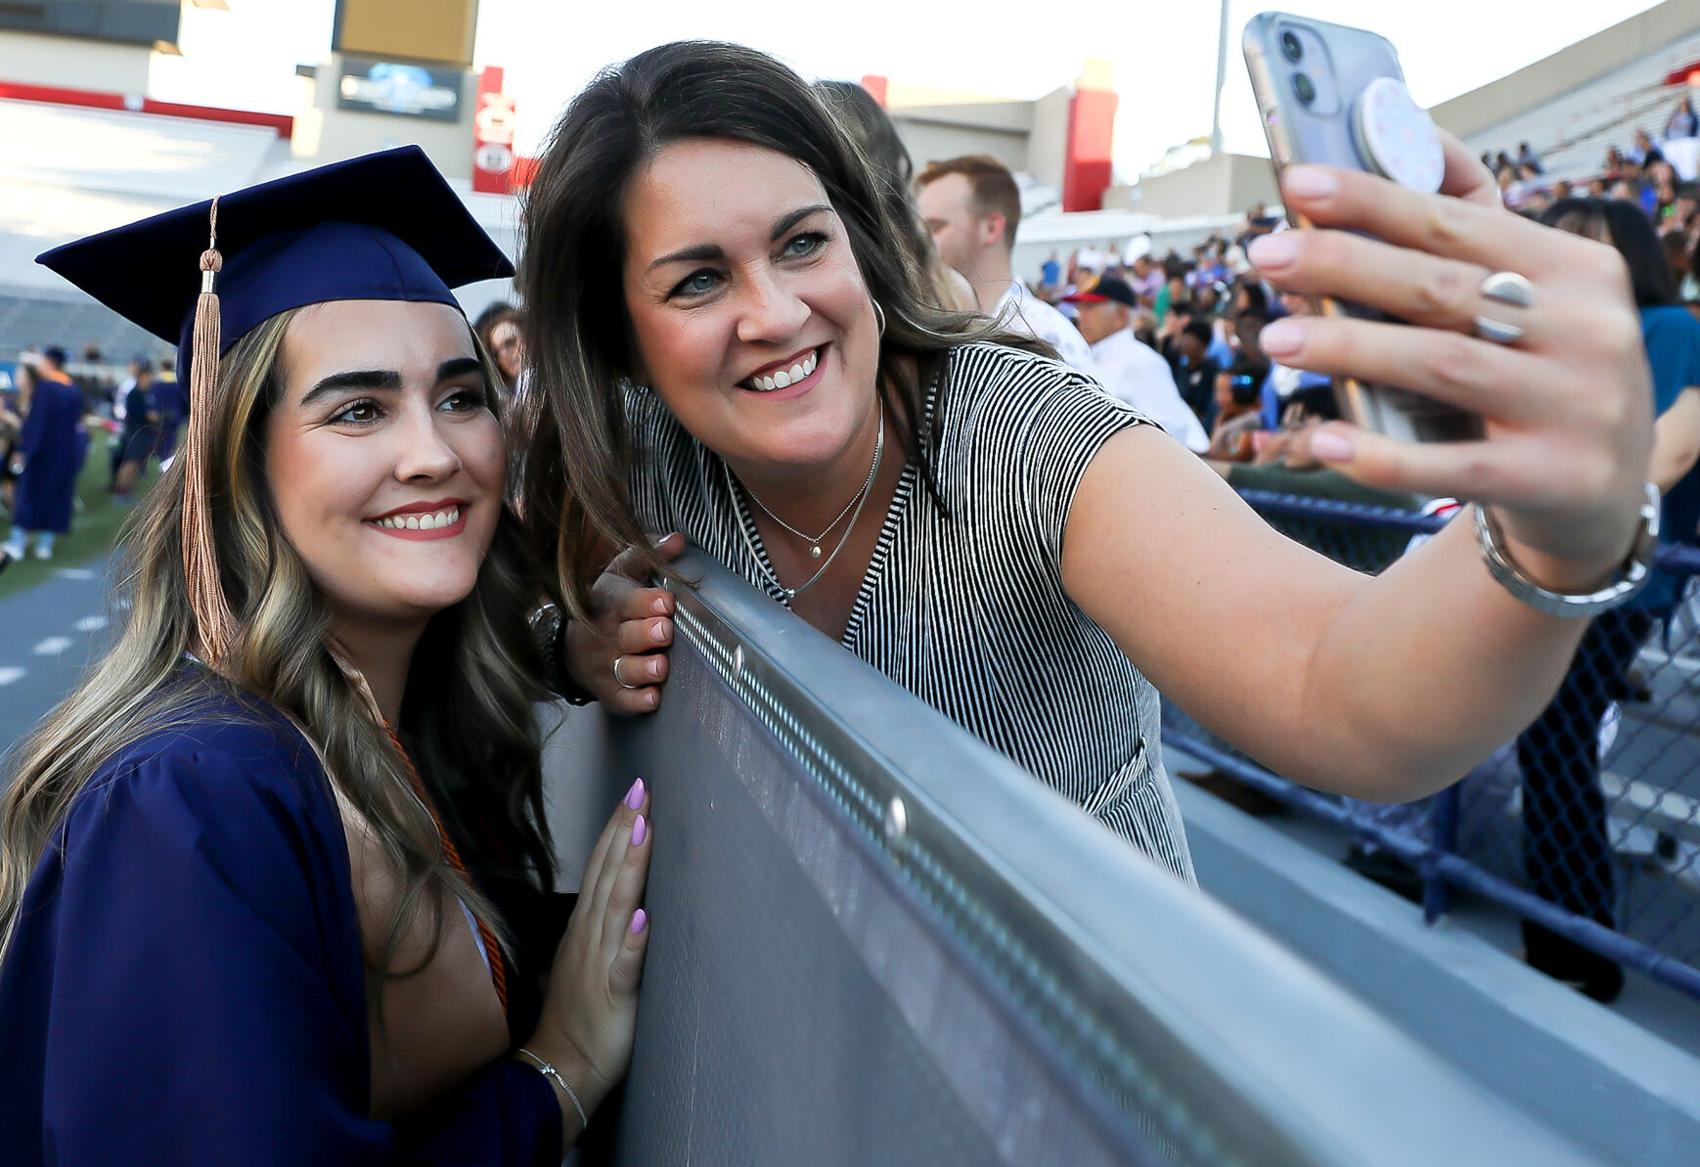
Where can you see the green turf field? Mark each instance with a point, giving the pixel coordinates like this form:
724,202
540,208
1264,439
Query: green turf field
94,525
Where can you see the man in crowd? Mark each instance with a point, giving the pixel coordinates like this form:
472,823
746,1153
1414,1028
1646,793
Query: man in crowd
1147,280
1195,371
1128,369
972,207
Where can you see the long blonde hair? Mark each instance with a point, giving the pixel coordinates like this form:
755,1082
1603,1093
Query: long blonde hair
467,707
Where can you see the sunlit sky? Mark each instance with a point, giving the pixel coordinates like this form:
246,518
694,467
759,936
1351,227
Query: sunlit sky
1163,53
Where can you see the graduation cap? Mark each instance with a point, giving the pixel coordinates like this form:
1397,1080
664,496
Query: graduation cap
384,226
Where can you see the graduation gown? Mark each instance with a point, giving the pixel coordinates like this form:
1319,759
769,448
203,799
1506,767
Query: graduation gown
169,399
186,985
52,458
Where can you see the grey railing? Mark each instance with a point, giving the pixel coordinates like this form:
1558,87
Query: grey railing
876,940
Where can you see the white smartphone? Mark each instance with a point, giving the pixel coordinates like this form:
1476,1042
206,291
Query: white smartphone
1336,96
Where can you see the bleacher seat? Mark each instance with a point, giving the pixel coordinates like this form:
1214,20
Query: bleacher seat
1572,132
28,316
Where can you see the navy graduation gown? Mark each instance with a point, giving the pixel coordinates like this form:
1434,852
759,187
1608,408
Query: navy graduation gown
185,982
49,443
169,400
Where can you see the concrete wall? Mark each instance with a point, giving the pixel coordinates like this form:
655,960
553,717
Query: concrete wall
1047,145
73,63
933,133
1553,76
1220,185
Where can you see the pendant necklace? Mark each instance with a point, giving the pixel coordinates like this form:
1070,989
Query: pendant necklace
852,508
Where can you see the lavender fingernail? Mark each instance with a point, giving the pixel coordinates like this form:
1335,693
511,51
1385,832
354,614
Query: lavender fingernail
640,921
634,796
639,830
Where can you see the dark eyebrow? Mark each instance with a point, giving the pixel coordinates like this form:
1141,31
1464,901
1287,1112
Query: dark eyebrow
707,251
355,379
787,222
374,380
459,367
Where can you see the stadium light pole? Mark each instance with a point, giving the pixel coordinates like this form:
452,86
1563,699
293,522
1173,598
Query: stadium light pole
1221,80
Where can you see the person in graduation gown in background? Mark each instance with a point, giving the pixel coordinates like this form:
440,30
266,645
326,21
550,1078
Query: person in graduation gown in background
273,878
51,445
168,399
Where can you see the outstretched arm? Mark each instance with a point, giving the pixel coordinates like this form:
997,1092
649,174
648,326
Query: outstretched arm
1389,688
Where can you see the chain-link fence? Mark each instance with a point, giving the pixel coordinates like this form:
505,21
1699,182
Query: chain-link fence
1587,825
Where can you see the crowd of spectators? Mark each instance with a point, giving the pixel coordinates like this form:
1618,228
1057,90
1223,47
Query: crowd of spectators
1659,174
1202,310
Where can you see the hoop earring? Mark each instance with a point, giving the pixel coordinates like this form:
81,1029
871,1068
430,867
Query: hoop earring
880,312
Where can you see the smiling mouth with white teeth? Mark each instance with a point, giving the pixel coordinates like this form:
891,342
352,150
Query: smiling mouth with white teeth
430,521
783,378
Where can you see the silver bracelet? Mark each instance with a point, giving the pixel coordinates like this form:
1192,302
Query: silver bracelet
1635,574
549,1071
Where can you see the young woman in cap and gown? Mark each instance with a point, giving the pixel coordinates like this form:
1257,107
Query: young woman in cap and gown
274,878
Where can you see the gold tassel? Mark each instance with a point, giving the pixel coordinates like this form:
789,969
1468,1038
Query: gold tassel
215,628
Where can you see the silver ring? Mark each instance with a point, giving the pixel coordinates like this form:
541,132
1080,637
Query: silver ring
1504,287
617,680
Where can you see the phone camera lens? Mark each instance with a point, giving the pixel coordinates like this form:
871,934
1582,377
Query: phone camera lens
1304,87
1291,45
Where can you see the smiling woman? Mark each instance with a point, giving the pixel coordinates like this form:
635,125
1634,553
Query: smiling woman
1027,554
283,848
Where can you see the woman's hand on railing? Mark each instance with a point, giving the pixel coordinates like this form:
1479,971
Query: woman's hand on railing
589,1015
621,660
1566,409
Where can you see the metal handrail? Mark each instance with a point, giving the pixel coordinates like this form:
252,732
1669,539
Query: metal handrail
1143,982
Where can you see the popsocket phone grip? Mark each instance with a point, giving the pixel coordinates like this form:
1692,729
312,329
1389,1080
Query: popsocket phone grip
1396,138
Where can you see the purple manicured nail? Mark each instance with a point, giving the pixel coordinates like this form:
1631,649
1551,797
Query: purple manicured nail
634,796
639,830
640,921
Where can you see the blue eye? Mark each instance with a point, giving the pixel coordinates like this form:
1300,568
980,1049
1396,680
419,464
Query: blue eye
698,283
807,243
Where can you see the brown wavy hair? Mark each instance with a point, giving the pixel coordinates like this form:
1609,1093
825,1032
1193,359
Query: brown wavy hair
577,501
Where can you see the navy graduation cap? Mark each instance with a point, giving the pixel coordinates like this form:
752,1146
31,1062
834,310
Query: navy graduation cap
381,227
384,226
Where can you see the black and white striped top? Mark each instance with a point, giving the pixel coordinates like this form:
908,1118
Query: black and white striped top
964,606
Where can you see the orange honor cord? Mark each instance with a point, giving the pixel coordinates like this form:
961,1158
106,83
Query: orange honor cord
498,968
215,627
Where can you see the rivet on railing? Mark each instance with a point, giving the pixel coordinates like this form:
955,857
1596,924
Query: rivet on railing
896,822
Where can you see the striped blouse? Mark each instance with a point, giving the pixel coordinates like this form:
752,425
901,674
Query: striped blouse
963,605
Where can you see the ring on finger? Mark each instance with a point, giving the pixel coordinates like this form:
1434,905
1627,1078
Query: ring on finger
621,681
1504,287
